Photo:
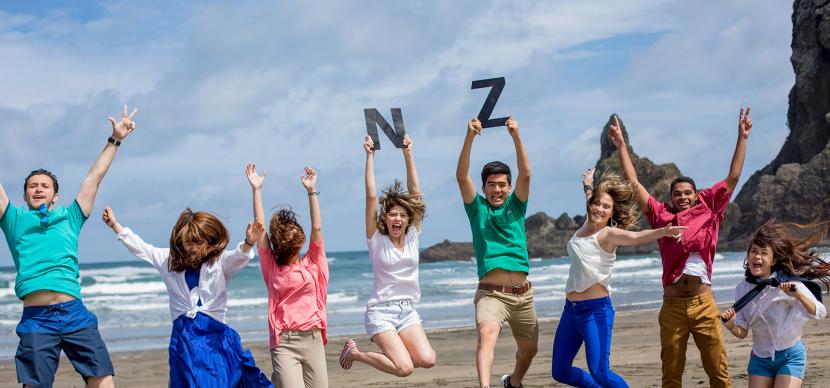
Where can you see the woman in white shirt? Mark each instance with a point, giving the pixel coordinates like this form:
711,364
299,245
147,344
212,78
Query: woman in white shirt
196,269
391,320
588,316
776,315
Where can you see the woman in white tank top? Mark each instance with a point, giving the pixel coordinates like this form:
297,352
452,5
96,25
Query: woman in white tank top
392,322
588,316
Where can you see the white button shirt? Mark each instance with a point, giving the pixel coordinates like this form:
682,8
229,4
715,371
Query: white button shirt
774,317
213,278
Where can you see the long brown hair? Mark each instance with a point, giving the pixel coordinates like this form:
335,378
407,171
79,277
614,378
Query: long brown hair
206,235
793,248
286,236
625,213
395,195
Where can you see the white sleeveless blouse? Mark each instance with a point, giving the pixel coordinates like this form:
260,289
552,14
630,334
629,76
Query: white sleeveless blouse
590,264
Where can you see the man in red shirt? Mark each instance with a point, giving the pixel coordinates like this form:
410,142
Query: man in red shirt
688,303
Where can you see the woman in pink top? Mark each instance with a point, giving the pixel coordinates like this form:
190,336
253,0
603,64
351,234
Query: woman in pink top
392,322
296,289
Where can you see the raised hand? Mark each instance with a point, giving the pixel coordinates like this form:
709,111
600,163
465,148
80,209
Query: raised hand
256,180
309,180
407,142
615,133
588,177
124,126
512,126
109,217
254,231
744,123
368,144
474,126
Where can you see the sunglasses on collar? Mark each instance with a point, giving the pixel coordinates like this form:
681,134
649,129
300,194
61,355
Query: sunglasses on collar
44,215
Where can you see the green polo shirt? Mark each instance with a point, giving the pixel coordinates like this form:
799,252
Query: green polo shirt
499,236
45,256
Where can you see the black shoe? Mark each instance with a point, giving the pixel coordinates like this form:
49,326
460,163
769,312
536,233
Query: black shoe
505,380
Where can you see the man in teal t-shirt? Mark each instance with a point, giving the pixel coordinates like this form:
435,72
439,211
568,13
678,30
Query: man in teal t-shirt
497,221
43,240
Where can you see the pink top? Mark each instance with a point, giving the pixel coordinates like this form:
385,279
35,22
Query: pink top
703,221
296,292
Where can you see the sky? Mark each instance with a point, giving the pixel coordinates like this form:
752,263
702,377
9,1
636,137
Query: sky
284,84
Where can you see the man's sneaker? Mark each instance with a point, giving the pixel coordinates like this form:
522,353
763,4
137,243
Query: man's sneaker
505,380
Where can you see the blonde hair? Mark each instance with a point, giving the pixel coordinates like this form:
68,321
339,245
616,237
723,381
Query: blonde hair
286,236
201,230
394,195
625,214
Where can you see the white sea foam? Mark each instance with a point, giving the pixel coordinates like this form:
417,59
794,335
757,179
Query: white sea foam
125,288
637,263
138,306
340,297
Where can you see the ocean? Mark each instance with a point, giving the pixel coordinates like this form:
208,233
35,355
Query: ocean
132,305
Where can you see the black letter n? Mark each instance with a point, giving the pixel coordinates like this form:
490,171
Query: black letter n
374,118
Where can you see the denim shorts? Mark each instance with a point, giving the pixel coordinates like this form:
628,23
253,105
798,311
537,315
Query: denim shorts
46,330
790,361
393,315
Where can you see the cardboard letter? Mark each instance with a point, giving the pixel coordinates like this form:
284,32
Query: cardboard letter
497,84
374,118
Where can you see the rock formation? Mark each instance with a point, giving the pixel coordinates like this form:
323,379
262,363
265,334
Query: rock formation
794,186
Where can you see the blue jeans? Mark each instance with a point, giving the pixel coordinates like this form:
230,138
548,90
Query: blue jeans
589,321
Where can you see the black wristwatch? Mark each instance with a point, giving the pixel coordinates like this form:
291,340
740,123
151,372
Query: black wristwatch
112,140
585,188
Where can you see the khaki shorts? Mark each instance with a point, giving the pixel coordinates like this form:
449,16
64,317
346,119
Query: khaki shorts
517,310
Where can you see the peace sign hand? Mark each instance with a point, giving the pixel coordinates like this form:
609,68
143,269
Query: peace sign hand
615,133
744,123
125,126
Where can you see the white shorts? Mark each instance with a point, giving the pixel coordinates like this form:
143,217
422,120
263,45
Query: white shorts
393,315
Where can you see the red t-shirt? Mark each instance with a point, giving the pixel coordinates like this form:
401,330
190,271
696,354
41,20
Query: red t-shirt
703,221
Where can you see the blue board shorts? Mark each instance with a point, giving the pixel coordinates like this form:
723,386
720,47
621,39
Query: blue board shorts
791,361
46,330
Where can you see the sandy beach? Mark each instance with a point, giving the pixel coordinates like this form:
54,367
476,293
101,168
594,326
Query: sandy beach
635,356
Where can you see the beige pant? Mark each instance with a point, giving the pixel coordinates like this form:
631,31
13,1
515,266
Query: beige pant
300,360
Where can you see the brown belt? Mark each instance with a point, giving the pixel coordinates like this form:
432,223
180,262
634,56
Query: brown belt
516,289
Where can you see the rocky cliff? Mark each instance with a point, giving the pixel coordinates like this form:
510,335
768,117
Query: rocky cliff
794,186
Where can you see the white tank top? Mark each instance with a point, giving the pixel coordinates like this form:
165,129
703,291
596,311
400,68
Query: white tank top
590,264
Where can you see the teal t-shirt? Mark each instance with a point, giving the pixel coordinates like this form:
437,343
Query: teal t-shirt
499,236
45,255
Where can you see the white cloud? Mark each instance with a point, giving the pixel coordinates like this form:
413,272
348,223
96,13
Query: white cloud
285,85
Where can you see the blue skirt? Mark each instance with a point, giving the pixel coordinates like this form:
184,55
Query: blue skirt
207,353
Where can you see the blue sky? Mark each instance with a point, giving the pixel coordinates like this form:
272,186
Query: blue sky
284,84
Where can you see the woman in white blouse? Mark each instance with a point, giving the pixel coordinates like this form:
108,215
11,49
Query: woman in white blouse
588,316
391,320
776,315
196,269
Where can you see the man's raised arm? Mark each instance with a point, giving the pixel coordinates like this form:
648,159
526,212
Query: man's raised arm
737,165
522,191
89,187
465,183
